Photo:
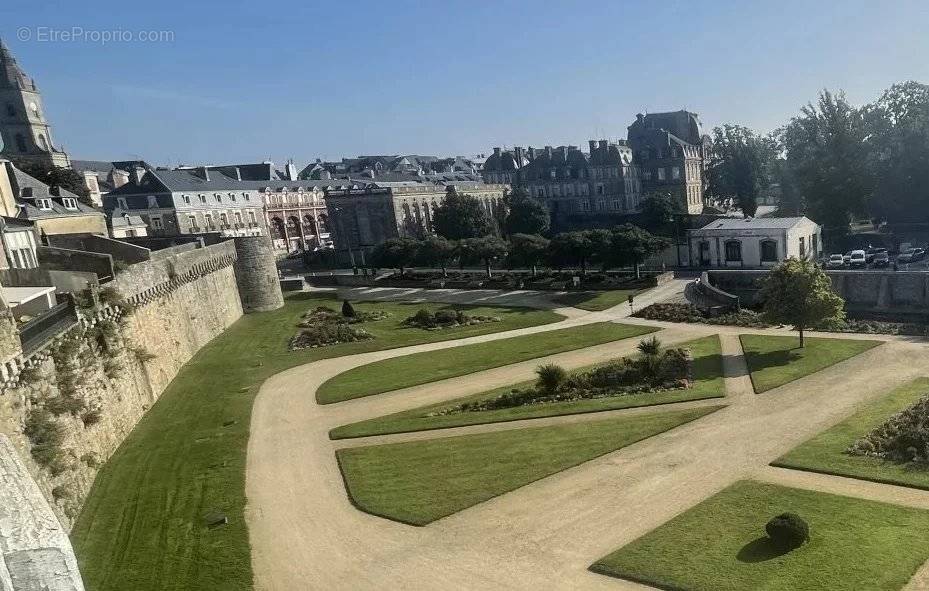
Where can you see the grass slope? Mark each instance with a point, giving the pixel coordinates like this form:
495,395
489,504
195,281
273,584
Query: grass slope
708,383
142,525
420,481
825,452
596,301
720,545
431,366
775,360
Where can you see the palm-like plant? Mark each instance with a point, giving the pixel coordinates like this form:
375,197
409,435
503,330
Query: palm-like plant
551,377
649,347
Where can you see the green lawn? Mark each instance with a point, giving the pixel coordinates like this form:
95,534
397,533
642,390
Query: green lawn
431,366
720,545
596,301
142,525
775,360
824,452
708,383
420,481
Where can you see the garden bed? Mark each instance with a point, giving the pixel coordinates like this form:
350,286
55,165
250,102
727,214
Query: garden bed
446,318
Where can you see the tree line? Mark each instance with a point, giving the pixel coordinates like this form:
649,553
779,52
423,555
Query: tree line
517,236
834,162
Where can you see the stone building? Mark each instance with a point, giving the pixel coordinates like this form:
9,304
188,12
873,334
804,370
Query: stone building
375,167
672,153
52,210
24,130
101,176
361,218
189,201
753,242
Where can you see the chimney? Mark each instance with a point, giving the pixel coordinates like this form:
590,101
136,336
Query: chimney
205,173
238,173
291,171
592,144
137,173
532,153
604,144
496,151
120,178
519,156
639,117
564,152
548,151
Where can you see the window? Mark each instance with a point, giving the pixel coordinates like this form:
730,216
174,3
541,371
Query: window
192,222
601,204
208,221
157,222
556,191
231,196
540,192
238,218
121,203
768,251
661,173
219,198
802,247
44,204
599,189
202,198
675,172
223,219
647,175
187,199
251,217
616,204
69,203
246,196
733,251
152,202
585,205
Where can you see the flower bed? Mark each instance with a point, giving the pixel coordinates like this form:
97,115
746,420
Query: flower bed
688,313
903,438
443,319
322,326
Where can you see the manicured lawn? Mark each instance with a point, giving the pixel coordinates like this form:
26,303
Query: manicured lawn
775,360
596,301
431,366
720,545
825,452
142,527
421,481
708,383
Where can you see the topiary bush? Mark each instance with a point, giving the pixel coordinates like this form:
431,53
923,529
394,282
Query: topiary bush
348,310
788,531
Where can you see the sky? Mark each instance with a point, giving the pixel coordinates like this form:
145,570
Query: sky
231,81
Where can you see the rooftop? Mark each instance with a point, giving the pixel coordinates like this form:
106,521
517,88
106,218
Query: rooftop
755,223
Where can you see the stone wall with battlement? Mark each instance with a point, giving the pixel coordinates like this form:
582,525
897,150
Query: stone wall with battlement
120,359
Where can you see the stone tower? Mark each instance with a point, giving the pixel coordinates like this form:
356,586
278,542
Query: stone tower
24,131
256,275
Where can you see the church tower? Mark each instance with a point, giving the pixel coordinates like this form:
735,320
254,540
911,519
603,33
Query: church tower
24,131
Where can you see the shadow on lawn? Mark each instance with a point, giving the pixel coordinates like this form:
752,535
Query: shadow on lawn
757,361
760,550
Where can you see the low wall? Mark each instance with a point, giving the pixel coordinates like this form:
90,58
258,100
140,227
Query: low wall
53,258
119,250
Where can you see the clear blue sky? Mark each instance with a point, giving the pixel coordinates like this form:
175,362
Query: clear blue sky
244,81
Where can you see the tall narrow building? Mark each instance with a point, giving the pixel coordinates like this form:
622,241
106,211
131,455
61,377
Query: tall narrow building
24,130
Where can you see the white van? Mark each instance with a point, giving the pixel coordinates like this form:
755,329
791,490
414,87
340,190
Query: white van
857,258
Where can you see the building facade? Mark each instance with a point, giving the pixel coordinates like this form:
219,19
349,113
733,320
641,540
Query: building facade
24,130
753,243
361,218
672,153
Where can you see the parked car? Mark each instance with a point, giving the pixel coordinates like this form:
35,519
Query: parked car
847,258
857,259
880,259
872,252
911,255
835,261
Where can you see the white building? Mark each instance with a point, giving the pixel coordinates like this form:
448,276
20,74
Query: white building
753,242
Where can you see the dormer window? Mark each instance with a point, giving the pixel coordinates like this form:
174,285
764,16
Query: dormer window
44,204
26,192
69,203
121,202
202,198
219,198
186,199
231,196
152,202
246,196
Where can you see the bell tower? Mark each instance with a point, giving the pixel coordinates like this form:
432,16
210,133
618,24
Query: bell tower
24,131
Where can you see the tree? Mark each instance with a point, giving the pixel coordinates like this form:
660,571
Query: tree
528,250
461,216
826,154
487,249
525,215
740,165
55,176
631,245
658,210
600,242
435,251
898,131
571,248
396,253
800,294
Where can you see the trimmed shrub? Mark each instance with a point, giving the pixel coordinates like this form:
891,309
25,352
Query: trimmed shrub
348,310
551,377
788,531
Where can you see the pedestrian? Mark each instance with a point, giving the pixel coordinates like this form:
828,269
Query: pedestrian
631,299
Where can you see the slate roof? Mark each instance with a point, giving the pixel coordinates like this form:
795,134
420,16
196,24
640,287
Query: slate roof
764,223
27,205
11,75
118,219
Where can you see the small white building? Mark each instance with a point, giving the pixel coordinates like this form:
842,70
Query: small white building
123,225
753,242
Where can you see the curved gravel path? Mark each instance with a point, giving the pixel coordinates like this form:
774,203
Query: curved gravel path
305,534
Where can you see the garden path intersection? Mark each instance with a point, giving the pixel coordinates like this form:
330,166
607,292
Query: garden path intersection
306,534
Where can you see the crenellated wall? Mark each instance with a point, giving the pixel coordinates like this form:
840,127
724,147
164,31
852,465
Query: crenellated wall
95,382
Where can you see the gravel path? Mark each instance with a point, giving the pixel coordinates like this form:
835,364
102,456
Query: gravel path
305,534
